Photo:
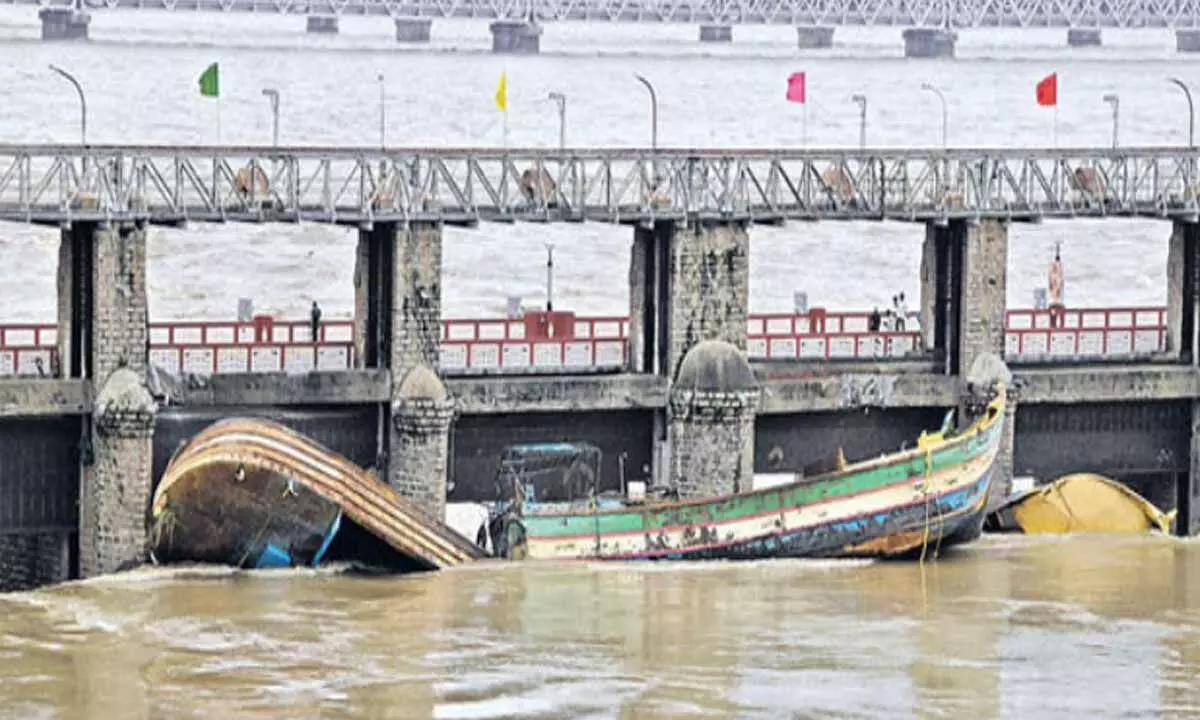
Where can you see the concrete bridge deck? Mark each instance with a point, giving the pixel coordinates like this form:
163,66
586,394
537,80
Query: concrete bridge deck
361,186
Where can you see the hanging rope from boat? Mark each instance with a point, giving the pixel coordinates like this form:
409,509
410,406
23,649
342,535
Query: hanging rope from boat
925,487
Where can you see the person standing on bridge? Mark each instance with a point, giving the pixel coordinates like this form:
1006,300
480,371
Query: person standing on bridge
1054,289
315,324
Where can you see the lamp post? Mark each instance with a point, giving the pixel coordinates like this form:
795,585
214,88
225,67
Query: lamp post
561,101
861,100
653,112
549,277
1115,101
929,87
272,96
382,113
1191,110
82,102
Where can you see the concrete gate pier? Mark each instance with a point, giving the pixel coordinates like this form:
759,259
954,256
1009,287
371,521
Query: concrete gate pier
413,30
716,33
1083,37
1187,41
323,24
516,37
64,23
929,43
814,37
422,414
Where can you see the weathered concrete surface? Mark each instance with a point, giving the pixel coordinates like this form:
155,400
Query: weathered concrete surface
716,33
1181,259
984,291
30,560
814,37
1099,384
362,296
417,298
1187,41
516,37
809,389
34,398
484,396
1083,37
710,287
927,303
345,387
929,43
1193,515
120,326
418,464
711,422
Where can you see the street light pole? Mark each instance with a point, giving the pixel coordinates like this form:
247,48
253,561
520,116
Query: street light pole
945,115
1114,100
561,101
549,277
653,112
272,95
82,102
382,114
1191,110
862,119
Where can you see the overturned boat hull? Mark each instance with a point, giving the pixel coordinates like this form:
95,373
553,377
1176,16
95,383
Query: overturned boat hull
916,501
253,493
1080,502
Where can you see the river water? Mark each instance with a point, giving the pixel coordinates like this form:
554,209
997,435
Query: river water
140,71
1066,627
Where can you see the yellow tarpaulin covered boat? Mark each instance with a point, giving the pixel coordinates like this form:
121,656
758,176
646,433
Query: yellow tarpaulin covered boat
1080,502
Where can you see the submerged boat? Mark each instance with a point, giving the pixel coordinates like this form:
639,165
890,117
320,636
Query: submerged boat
1080,502
253,493
925,498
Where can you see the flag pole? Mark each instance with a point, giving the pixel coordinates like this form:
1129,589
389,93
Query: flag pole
218,119
1055,122
804,125
505,110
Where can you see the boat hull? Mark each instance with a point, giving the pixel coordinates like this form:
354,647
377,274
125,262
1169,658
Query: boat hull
1081,502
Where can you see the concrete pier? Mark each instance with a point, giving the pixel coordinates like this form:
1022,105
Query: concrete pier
322,24
814,37
1187,41
929,43
716,33
516,37
413,30
63,23
1083,37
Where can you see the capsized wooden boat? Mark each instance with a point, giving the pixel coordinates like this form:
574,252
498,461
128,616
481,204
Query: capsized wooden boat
254,493
1079,502
907,502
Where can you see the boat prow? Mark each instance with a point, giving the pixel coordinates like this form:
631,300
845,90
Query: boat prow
1080,502
254,493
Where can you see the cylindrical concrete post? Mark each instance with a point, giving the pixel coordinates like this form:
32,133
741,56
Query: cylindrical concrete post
1083,37
515,37
716,33
64,23
814,37
929,43
1187,41
323,24
413,30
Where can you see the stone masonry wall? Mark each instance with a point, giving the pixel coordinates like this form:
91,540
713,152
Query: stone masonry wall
710,284
985,274
31,560
1176,250
928,301
417,305
362,297
66,289
419,464
644,239
712,443
120,327
1193,528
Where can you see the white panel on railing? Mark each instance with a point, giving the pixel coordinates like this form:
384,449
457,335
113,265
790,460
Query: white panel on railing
1103,320
813,347
610,353
188,336
460,331
20,338
901,345
1120,342
281,334
583,329
335,357
1089,342
453,357
160,335
198,360
27,362
484,356
1019,320
221,334
841,347
266,359
1062,343
754,326
756,347
8,362
608,329
302,333
782,348
1012,344
50,337
165,358
780,326
856,324
515,355
547,355
516,331
1147,318
339,333
298,359
245,334
492,330
1036,343
1147,341
233,359
871,346
577,354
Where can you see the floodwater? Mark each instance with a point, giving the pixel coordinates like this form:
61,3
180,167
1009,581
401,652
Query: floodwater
1009,627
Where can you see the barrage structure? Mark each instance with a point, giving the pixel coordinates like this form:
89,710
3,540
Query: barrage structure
81,447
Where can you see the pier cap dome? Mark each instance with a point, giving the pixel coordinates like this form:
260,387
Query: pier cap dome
124,393
715,366
421,383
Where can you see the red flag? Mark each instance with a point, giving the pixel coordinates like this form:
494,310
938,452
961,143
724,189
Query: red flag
795,89
1047,90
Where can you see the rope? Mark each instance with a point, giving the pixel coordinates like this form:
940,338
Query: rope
925,488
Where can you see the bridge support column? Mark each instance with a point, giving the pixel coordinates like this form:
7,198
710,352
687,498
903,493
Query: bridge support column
102,293
688,282
516,37
422,414
716,33
1187,41
1083,37
64,23
711,412
814,37
322,24
929,43
413,30
31,560
1187,522
1183,290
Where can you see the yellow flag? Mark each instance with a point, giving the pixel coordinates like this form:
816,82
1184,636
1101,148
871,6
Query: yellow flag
502,91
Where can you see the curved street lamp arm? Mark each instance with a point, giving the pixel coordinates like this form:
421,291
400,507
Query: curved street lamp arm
1191,110
82,101
653,112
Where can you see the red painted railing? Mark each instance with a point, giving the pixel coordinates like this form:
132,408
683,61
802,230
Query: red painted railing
542,342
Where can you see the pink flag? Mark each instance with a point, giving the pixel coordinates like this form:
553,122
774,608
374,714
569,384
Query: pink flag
795,90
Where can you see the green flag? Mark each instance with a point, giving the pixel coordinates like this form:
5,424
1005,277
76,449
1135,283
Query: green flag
210,85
